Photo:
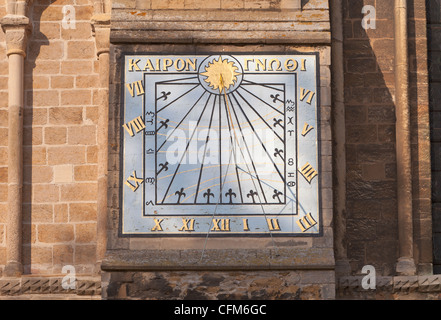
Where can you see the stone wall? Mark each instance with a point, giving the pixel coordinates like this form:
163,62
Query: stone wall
60,144
371,209
288,285
434,31
370,137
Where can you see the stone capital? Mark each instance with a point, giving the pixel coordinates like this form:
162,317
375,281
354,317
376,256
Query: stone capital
101,28
17,29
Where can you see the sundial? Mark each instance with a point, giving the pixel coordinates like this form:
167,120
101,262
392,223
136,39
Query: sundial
220,145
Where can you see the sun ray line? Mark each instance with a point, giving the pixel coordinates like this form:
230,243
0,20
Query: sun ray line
252,108
234,149
183,155
205,150
261,100
178,98
182,120
262,85
260,140
248,150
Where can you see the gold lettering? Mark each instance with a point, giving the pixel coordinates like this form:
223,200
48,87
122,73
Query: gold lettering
291,67
179,68
273,224
245,225
158,65
139,88
137,124
188,225
192,64
226,224
247,63
157,226
306,223
303,65
279,65
167,64
304,93
221,225
308,172
133,64
306,129
149,66
261,64
136,180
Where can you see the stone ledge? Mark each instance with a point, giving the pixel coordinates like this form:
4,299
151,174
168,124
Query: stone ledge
49,297
50,285
218,26
398,284
192,5
219,259
215,285
218,37
217,15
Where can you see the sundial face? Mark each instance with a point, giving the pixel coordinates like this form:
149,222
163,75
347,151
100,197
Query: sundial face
221,145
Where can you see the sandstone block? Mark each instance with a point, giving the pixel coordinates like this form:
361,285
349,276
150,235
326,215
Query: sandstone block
84,135
79,212
79,192
66,115
43,193
85,232
63,173
55,135
80,49
62,82
76,97
66,155
55,233
85,173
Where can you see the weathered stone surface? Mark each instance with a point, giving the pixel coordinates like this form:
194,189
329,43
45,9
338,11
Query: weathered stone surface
49,287
244,25
215,285
226,259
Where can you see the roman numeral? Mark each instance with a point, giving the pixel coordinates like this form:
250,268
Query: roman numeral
308,172
273,224
135,179
188,225
137,124
157,226
245,225
138,85
221,225
304,93
306,223
133,64
306,129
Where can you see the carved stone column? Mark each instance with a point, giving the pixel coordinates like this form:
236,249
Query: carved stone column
101,25
339,138
405,263
16,28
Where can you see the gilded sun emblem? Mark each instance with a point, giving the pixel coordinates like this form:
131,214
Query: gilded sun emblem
221,74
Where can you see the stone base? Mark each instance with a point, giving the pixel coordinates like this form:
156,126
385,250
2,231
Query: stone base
49,286
219,285
406,267
425,287
13,269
